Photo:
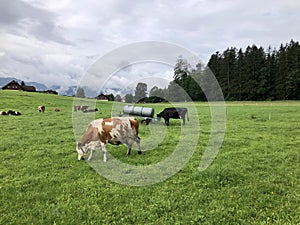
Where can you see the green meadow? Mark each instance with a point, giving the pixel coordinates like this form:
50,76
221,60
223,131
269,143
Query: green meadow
255,178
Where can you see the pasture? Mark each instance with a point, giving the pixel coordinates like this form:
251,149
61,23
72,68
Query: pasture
255,178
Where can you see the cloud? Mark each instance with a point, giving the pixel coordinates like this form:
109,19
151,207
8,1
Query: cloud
25,19
57,41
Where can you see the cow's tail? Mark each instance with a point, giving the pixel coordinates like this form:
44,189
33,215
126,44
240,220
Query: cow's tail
187,115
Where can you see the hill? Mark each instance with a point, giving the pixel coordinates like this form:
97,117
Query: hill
253,180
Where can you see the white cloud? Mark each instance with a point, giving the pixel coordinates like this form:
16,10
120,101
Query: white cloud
56,41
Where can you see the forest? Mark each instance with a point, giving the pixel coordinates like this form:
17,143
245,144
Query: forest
254,74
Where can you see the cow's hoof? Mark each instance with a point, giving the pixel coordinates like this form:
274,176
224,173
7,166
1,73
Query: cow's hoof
139,152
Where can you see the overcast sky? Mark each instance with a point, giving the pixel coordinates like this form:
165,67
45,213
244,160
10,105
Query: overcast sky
56,41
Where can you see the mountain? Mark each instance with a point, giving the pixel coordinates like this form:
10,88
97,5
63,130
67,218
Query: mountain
90,93
68,91
116,91
38,86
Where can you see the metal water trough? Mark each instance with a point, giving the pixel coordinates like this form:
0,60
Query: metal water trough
140,111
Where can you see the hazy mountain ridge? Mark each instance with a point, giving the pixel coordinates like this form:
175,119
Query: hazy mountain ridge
68,91
38,86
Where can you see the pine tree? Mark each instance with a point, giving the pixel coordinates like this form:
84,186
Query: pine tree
80,93
140,91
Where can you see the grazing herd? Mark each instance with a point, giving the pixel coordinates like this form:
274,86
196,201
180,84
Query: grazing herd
115,130
118,130
40,108
10,112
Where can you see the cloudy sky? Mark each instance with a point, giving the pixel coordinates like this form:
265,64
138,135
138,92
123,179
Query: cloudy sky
55,42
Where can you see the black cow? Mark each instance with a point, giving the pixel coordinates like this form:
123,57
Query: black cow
14,113
3,113
90,110
174,113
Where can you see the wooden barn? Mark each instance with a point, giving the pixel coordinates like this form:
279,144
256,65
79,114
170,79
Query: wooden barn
14,85
102,97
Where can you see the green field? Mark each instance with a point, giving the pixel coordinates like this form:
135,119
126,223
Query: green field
255,178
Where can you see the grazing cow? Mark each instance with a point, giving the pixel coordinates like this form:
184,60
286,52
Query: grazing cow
3,113
41,108
14,113
77,107
174,113
80,107
117,130
90,110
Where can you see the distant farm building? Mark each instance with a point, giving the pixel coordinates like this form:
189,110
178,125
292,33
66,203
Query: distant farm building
14,85
50,92
102,97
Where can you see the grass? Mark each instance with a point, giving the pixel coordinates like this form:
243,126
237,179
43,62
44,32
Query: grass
255,178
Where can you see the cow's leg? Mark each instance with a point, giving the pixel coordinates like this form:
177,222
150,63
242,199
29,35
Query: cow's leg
93,146
103,147
183,120
167,121
138,141
91,154
129,150
129,144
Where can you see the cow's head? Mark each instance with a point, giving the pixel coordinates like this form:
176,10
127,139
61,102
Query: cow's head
158,115
81,150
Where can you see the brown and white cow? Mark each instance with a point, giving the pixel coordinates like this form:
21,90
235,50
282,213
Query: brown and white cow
41,108
116,130
80,107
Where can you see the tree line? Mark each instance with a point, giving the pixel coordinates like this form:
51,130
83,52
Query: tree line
254,74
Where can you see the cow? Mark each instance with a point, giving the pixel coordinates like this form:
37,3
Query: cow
56,109
14,113
80,107
174,113
90,110
3,113
77,107
116,130
41,108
